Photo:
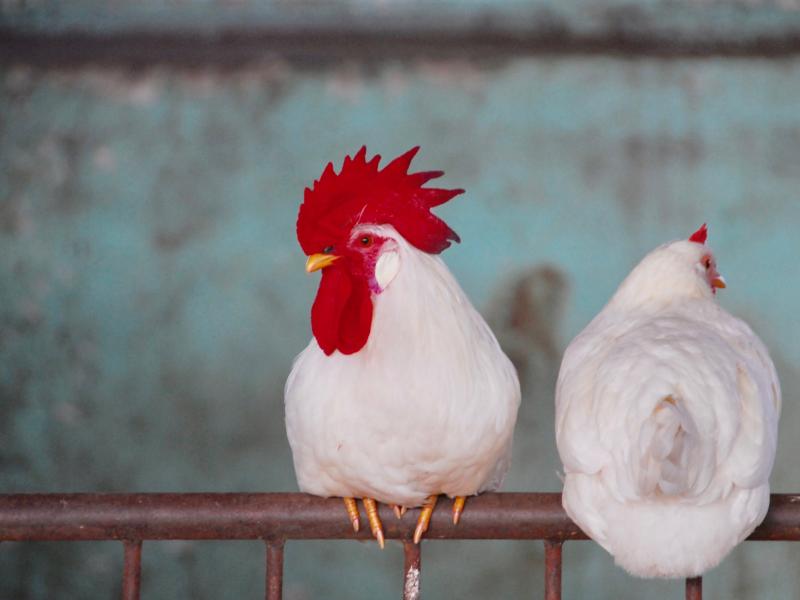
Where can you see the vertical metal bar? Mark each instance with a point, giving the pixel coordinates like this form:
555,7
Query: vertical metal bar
552,570
694,588
132,570
412,569
274,583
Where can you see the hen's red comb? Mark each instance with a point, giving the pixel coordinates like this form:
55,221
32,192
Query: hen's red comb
700,235
362,193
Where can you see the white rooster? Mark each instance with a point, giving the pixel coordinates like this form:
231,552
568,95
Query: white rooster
667,419
404,392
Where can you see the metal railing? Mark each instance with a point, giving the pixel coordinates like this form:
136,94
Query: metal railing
276,518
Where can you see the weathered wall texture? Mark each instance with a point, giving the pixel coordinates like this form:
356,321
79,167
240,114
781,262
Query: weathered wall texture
152,292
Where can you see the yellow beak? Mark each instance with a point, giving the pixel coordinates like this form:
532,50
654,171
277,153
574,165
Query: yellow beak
319,261
718,282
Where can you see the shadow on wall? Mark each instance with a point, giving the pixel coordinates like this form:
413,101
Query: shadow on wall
526,314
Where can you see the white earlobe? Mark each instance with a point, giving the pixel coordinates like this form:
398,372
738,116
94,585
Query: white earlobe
386,268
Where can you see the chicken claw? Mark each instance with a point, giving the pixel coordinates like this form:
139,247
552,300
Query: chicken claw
399,511
352,512
424,517
458,508
375,524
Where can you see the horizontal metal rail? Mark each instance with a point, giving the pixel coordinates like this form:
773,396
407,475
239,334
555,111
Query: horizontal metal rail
287,516
275,518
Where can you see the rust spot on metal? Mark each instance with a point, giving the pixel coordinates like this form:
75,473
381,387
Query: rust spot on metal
132,570
552,569
274,583
694,588
412,567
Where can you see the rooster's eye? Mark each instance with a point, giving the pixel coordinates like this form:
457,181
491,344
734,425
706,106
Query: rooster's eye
707,262
366,241
327,249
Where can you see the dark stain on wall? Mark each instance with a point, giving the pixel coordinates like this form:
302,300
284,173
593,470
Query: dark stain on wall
10,215
526,315
13,391
663,148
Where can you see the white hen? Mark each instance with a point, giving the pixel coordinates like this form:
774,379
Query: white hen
404,393
666,419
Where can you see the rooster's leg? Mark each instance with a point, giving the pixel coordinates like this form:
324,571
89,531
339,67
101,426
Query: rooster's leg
375,524
424,517
399,511
352,512
458,508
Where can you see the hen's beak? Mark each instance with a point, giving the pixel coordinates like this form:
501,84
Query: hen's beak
319,261
718,282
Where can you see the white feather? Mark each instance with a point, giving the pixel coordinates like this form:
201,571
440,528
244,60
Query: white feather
428,406
666,422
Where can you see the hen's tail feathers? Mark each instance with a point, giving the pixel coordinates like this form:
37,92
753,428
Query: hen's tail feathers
666,440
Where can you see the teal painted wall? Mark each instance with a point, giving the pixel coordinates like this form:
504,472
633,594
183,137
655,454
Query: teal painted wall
152,292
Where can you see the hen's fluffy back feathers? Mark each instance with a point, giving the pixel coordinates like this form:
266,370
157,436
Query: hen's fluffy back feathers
666,422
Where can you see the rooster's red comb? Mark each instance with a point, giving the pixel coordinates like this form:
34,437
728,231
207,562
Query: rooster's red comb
700,235
362,193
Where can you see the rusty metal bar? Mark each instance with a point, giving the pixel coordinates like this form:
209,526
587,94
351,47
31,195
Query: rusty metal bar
132,570
412,570
510,516
552,569
265,516
274,584
694,588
